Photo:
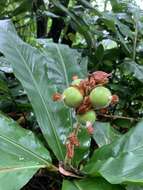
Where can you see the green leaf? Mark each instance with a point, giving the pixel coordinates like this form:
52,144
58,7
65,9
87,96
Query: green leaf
104,133
22,154
90,183
23,7
7,25
99,52
5,66
117,5
122,31
82,151
123,43
132,67
121,161
78,22
134,187
65,64
30,67
123,123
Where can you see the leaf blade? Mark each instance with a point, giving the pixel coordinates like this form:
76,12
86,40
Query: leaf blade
91,183
26,61
22,154
121,161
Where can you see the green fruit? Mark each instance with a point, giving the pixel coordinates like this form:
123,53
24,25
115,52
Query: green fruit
89,116
76,81
100,97
72,97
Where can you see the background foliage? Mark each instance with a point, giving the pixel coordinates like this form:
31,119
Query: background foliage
106,36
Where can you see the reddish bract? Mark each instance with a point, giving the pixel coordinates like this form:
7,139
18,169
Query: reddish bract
115,99
73,139
70,150
100,77
57,97
104,111
85,106
89,128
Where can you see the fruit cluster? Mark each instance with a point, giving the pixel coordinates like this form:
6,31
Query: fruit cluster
87,96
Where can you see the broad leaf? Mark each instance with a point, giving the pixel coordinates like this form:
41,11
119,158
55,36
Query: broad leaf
121,161
90,184
65,64
22,154
30,67
104,133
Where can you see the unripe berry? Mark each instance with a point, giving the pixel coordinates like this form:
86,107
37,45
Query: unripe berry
89,116
100,97
72,97
76,81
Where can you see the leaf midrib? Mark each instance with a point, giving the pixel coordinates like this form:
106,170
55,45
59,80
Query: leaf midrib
63,65
66,78
15,168
77,185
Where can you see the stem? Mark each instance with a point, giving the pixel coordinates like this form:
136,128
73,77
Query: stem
118,117
135,40
68,160
105,5
77,129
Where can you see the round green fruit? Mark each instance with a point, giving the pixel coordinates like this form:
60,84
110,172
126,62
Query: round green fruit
100,97
89,116
72,97
76,81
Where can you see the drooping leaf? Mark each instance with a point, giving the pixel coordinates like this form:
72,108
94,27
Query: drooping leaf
22,154
121,161
90,183
104,133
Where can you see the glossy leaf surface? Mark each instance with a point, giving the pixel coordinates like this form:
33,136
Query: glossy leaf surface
121,161
104,133
22,154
